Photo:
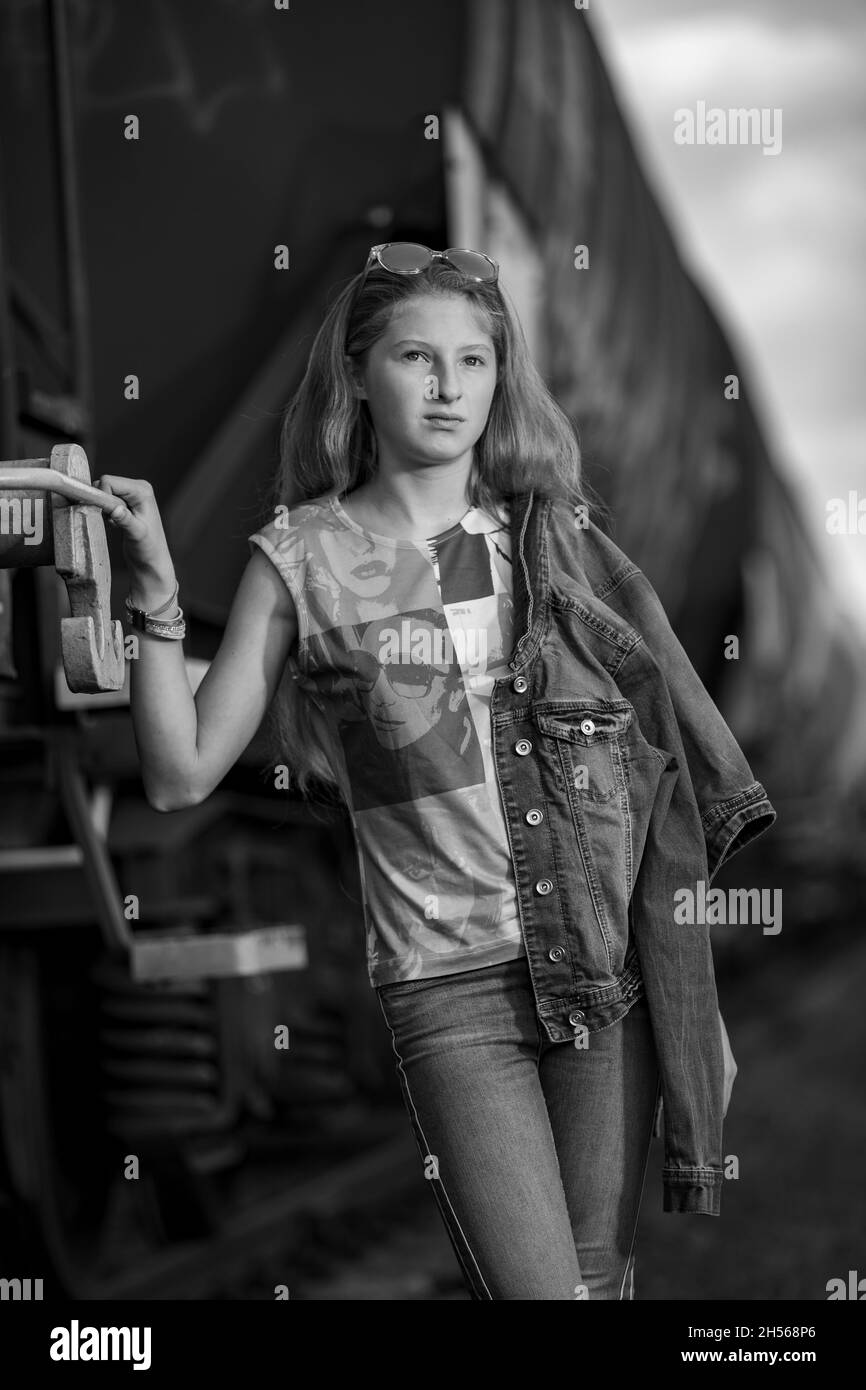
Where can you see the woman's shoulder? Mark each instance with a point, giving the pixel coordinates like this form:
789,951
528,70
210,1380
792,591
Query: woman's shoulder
292,526
577,543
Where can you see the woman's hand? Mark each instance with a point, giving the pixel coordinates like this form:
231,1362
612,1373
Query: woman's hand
145,547
730,1064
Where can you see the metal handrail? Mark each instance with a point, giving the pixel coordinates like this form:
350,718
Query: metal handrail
49,480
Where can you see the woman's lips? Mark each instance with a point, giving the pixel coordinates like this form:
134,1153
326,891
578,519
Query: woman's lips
370,569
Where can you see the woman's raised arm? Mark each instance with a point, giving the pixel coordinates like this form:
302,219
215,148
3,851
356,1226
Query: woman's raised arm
187,743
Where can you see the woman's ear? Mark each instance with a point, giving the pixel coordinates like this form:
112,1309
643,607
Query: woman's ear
356,378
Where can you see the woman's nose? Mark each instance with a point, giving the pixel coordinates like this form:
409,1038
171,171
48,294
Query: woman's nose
448,382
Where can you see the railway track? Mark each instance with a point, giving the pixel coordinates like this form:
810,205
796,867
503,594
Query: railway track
364,1228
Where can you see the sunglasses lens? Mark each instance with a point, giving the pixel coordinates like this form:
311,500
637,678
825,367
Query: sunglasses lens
472,264
404,257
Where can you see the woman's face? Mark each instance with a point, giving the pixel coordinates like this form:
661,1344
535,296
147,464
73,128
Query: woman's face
429,337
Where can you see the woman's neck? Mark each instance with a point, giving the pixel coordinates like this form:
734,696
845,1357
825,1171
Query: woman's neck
409,506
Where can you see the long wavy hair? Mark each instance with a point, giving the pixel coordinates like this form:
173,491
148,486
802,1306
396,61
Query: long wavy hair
328,444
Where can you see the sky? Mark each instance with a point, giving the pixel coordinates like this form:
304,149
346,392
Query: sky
777,241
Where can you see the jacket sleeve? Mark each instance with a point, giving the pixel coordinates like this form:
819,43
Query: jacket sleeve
734,807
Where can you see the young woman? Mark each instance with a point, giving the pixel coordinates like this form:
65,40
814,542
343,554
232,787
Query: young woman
374,619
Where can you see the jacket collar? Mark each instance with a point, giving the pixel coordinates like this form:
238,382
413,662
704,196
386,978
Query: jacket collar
529,517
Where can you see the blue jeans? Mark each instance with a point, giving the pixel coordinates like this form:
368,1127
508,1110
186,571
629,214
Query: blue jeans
536,1151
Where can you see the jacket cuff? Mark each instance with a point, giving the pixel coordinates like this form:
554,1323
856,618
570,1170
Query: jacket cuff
693,1190
730,825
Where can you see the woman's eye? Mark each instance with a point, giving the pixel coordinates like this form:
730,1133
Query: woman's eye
473,358
413,352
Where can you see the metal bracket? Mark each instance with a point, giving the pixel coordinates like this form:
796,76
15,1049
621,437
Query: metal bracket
91,644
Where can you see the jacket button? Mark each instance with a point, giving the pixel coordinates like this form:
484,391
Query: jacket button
544,885
556,953
577,1016
520,683
587,726
534,817
523,746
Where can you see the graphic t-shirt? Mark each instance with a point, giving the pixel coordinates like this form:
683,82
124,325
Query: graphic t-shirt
399,643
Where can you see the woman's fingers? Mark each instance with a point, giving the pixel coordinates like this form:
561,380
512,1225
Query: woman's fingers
137,517
133,497
135,492
730,1074
730,1064
133,526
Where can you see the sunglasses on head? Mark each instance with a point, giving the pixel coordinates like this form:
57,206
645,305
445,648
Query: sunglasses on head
410,258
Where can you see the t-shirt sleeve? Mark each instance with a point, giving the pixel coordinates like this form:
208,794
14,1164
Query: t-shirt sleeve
284,547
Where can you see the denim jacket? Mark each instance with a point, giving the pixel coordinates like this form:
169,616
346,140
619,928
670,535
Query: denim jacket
621,783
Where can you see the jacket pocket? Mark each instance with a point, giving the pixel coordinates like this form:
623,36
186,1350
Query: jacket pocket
584,747
590,734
